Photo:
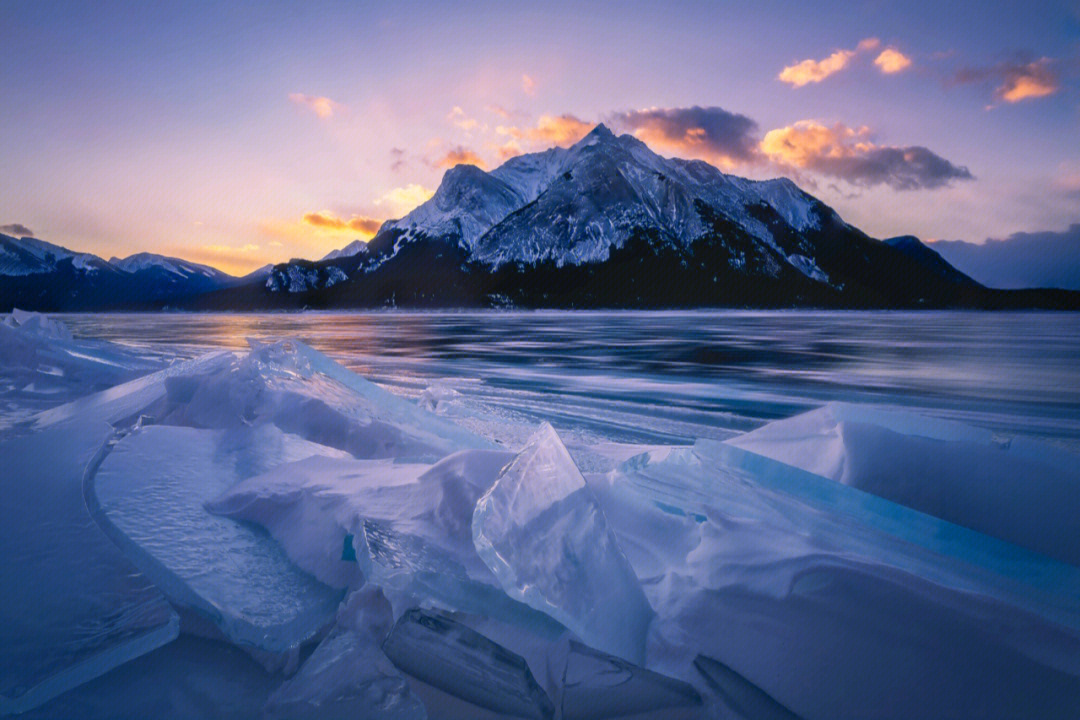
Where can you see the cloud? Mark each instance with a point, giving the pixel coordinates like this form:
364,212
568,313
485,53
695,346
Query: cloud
460,156
507,150
17,229
229,258
324,107
850,154
1022,260
814,71
459,119
892,61
504,113
1018,79
528,85
398,161
560,130
709,133
401,200
357,223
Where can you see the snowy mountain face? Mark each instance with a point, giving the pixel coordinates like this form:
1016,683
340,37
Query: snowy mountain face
44,276
175,267
574,205
29,256
353,248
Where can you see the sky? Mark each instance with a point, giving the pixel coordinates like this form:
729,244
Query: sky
238,134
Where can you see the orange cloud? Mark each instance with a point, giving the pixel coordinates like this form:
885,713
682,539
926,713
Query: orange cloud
508,150
1020,78
528,85
550,129
460,156
401,200
458,117
892,61
850,154
814,71
1033,80
324,107
357,223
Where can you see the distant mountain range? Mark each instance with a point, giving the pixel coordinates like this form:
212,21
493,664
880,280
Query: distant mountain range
603,223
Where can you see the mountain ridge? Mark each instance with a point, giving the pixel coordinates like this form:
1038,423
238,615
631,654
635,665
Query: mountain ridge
605,222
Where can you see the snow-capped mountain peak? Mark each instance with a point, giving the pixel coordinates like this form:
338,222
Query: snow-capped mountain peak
356,246
574,205
183,269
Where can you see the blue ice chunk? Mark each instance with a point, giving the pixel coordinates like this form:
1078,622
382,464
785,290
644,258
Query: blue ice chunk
594,685
542,533
435,648
149,493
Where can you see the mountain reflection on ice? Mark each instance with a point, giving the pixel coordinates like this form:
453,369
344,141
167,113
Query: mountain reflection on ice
674,376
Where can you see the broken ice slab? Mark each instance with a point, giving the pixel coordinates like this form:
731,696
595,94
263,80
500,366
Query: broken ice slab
779,564
42,365
148,494
1022,491
405,526
594,685
72,607
737,695
346,677
350,412
541,531
434,648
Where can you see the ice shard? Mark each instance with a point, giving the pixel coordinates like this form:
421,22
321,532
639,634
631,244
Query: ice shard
593,685
347,676
544,536
148,494
434,648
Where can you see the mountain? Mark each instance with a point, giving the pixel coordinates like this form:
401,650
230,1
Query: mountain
356,246
38,275
609,223
930,259
604,223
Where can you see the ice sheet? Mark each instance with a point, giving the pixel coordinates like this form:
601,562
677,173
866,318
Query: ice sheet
148,494
1021,491
71,606
544,536
802,585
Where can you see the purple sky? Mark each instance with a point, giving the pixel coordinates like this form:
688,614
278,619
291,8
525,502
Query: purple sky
254,132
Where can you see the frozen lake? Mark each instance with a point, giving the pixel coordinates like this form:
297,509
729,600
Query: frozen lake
673,376
263,533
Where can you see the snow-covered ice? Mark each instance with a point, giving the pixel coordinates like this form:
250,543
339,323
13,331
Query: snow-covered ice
802,585
1019,490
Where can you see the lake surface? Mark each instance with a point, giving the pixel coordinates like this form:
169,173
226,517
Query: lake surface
668,377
